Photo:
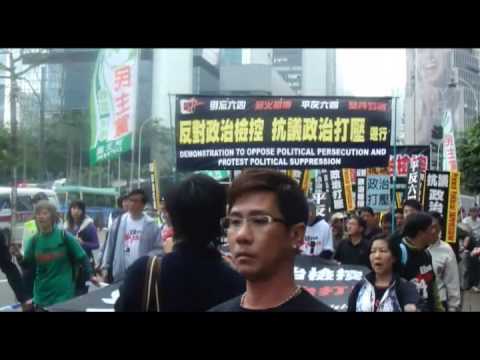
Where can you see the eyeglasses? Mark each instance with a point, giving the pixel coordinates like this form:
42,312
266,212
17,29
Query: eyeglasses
256,222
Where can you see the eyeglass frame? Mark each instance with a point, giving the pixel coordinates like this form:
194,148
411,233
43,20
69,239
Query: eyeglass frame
244,219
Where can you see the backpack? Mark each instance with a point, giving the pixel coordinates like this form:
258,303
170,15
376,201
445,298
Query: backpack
75,266
404,252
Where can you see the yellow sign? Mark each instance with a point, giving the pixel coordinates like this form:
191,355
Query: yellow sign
305,181
451,227
377,171
399,196
347,186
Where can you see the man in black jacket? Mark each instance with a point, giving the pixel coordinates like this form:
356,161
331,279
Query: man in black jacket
194,276
372,229
13,274
417,260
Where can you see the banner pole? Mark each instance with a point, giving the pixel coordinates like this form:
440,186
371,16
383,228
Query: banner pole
394,196
134,130
172,134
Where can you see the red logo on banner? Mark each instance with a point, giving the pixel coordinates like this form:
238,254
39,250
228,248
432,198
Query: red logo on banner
188,106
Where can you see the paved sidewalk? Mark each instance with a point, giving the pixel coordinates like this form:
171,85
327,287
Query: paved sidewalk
471,301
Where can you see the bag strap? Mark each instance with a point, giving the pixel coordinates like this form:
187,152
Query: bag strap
404,251
151,286
112,247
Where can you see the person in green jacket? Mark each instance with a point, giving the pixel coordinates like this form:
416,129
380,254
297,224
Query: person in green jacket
55,255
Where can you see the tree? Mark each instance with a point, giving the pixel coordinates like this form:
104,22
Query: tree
469,158
13,73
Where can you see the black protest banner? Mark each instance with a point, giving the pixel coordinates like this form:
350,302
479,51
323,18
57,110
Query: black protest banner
321,192
329,282
413,191
361,192
281,132
322,202
436,195
407,154
99,300
337,191
322,181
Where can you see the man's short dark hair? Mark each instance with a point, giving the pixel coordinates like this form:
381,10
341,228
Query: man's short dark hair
290,198
367,209
437,216
388,217
413,204
359,221
39,197
139,192
195,207
416,223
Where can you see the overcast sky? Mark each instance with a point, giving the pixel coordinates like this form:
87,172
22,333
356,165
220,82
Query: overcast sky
372,72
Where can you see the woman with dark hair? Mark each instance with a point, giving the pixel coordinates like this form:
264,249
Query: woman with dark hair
82,227
382,290
193,277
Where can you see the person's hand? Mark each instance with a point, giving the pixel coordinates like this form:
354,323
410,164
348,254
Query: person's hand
475,252
27,306
15,251
81,242
410,308
95,281
168,245
104,276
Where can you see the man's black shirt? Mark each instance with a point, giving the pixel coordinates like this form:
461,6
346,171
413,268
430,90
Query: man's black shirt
304,302
349,254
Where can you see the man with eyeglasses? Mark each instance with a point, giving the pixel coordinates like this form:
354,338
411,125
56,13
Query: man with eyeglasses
265,227
133,235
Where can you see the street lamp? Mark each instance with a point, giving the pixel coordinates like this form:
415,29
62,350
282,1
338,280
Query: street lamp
140,146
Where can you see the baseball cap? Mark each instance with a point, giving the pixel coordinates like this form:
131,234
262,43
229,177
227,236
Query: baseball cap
337,216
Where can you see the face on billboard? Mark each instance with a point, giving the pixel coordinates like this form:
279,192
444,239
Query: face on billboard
433,74
433,66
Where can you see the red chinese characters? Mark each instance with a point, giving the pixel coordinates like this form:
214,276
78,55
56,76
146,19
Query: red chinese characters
367,105
122,85
273,104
